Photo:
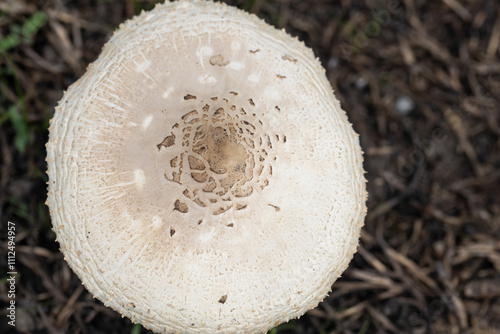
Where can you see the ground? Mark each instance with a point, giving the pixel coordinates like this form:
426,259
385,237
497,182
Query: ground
420,81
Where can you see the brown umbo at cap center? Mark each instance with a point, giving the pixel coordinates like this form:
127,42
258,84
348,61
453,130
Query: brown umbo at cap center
227,155
202,176
222,151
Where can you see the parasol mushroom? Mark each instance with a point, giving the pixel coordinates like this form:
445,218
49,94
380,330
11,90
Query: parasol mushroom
202,175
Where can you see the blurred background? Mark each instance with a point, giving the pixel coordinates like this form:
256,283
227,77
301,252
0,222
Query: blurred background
420,81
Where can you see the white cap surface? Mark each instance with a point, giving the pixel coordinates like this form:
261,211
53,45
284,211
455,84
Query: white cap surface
202,175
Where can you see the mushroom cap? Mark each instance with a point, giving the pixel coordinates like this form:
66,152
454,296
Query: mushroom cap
203,178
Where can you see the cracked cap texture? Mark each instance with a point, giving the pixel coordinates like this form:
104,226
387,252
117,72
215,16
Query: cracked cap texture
202,175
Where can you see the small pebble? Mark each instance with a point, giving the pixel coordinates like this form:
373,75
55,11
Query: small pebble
333,62
361,83
404,105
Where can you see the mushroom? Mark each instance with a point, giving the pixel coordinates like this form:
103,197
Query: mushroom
203,178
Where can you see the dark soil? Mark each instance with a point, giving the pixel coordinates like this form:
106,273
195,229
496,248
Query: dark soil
420,81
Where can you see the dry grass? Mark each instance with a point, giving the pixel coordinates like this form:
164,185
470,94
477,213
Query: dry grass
420,81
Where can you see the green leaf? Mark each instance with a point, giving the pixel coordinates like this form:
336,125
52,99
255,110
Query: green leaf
286,326
34,24
20,125
136,329
9,42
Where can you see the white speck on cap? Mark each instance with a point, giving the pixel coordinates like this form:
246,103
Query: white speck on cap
143,66
140,178
147,121
253,77
167,93
207,79
236,65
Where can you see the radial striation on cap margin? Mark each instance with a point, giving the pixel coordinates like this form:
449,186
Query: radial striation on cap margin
202,175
